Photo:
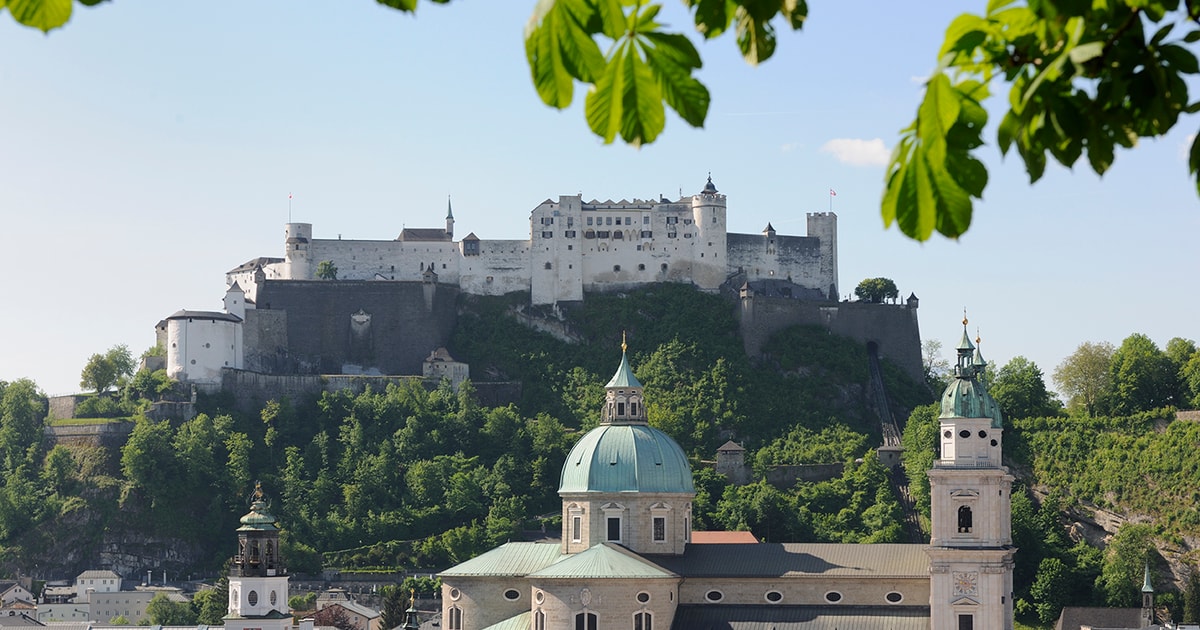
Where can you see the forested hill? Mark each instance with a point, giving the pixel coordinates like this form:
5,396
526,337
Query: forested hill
409,478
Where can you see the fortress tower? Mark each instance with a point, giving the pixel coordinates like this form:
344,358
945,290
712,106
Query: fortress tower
823,225
297,264
708,249
970,551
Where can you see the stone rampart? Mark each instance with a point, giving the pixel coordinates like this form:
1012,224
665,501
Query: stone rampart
378,327
892,328
111,435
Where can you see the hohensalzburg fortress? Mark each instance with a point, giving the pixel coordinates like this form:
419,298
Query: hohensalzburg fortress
393,302
574,247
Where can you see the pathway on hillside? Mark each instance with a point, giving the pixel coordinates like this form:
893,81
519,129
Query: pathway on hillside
891,438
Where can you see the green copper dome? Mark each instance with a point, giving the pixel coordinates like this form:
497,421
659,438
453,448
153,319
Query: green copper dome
258,519
626,458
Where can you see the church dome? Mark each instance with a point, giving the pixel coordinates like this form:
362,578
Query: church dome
626,458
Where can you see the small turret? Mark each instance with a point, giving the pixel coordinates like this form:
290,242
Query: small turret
623,402
449,219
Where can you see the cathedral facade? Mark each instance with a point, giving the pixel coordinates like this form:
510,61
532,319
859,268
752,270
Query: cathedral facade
627,559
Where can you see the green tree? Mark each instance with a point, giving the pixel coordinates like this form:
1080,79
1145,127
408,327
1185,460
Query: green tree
876,290
119,620
161,611
1050,589
1143,377
937,367
1191,596
210,604
1130,552
103,371
1021,392
920,441
22,417
148,460
326,270
1084,377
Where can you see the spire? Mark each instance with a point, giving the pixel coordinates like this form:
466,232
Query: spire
449,209
1146,586
411,622
624,376
977,358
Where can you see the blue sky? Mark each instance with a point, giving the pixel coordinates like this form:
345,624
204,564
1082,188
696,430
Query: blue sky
147,148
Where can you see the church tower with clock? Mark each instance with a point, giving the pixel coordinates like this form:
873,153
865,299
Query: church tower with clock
258,581
970,550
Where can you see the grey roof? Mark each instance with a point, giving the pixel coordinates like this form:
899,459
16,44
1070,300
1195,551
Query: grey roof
109,575
605,560
251,264
731,446
423,234
768,617
514,558
799,559
186,314
1076,617
18,619
356,608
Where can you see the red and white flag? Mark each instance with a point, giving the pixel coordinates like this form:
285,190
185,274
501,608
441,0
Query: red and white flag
832,192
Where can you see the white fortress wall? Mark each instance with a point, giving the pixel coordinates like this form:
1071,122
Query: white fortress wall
502,266
386,260
199,347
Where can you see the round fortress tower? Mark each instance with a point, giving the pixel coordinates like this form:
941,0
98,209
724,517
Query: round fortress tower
709,244
298,265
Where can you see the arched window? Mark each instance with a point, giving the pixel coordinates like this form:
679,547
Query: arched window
539,620
643,621
455,621
964,519
584,621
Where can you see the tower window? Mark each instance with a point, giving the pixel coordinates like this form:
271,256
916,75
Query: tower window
614,528
539,620
633,409
576,529
964,519
620,409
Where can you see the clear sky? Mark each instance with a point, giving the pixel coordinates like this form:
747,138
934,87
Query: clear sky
149,147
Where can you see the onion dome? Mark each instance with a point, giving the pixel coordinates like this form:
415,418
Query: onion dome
625,453
966,396
709,188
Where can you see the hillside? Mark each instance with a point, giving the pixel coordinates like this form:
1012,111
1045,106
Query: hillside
408,478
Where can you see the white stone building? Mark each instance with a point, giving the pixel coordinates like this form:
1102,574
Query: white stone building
574,246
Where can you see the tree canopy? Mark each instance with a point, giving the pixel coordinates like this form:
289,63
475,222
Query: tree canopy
876,290
103,371
1082,77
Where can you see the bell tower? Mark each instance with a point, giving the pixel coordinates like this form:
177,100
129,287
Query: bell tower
258,581
970,551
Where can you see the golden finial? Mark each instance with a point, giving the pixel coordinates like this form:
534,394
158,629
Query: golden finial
623,346
412,598
978,340
964,316
258,493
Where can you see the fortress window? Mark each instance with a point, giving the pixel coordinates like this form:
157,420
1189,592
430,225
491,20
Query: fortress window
641,267
443,265
569,234
616,268
714,218
664,267
547,265
964,519
618,220
966,622
647,234
570,221
547,234
646,219
607,220
687,221
628,220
